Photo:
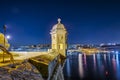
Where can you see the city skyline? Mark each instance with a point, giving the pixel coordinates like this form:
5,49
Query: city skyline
87,22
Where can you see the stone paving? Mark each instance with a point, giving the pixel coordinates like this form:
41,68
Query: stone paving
22,71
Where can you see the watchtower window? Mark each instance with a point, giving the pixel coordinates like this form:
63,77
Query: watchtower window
61,46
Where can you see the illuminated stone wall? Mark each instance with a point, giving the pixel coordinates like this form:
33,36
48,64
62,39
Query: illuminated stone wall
59,38
7,45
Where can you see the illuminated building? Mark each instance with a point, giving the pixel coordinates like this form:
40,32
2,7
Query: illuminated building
59,38
7,45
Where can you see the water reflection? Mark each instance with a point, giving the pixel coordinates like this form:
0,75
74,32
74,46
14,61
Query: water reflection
68,67
94,62
118,67
80,66
85,62
101,66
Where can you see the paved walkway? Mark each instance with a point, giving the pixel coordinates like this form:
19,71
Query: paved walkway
21,56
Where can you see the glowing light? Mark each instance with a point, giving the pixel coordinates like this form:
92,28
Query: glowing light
106,73
81,71
116,52
8,36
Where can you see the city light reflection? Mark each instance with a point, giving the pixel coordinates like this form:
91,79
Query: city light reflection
68,68
81,70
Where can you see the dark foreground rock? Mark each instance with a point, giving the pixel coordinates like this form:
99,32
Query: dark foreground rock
23,71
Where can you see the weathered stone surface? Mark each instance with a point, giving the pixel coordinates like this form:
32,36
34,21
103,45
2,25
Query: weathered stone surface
23,71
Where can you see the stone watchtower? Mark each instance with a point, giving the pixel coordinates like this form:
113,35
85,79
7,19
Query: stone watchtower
59,38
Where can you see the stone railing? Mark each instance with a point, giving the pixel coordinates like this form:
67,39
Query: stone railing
52,66
55,68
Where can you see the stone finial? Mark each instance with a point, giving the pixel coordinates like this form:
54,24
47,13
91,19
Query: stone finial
59,20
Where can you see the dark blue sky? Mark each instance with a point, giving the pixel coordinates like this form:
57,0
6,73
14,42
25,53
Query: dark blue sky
87,21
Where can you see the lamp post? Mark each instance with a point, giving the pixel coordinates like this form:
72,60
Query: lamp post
4,32
8,37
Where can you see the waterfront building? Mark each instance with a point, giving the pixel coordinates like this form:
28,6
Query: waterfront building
59,38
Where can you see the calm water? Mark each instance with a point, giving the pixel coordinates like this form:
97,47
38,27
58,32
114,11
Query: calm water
92,67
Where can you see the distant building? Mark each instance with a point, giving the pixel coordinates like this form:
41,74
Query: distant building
39,47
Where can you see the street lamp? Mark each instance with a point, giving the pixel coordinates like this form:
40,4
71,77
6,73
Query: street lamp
8,36
4,32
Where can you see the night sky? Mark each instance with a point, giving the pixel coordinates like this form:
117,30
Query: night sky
87,22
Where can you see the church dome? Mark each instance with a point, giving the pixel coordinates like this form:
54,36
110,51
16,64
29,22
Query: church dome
58,26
